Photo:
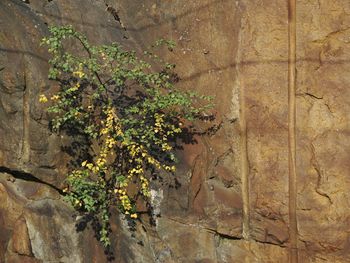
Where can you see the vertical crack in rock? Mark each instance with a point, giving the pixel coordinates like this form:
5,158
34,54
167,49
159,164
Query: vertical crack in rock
26,108
317,168
293,228
114,12
243,144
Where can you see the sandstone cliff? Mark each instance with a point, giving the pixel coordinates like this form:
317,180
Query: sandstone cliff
233,201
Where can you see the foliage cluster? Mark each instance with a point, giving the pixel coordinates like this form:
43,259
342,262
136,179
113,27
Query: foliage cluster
129,116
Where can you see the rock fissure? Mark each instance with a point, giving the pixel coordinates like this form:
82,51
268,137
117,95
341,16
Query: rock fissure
114,12
222,235
156,235
208,229
282,245
292,174
315,97
241,57
17,174
330,35
197,192
244,163
312,96
225,235
25,147
317,168
222,157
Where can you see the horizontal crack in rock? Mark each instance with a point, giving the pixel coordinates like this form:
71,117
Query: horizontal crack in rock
28,177
222,235
225,236
283,245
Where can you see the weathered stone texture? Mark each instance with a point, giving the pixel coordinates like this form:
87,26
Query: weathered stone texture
323,129
235,50
263,80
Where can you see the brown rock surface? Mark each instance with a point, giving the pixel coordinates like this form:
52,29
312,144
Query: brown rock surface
20,238
236,50
323,129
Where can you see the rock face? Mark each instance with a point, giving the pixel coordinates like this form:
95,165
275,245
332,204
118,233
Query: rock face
232,203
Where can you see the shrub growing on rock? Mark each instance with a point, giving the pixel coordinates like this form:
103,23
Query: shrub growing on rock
126,117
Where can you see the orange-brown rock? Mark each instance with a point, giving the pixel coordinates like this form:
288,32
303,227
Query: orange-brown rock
20,238
230,201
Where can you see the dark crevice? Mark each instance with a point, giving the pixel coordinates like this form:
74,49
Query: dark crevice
222,157
197,192
271,243
313,96
116,17
224,236
214,129
317,168
17,174
229,237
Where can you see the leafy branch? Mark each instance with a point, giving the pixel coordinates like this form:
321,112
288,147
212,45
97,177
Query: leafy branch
127,117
